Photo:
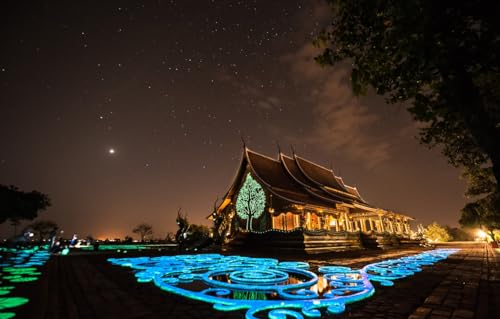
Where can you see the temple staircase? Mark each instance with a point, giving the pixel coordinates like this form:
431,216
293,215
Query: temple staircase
369,240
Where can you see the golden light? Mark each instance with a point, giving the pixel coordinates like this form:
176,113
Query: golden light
481,234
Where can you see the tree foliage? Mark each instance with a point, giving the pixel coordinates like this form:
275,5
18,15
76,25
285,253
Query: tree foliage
441,58
143,230
43,229
17,205
460,234
436,233
482,213
251,201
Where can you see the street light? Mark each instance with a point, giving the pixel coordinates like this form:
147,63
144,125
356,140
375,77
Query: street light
481,234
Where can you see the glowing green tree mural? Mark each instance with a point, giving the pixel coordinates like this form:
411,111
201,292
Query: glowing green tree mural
251,201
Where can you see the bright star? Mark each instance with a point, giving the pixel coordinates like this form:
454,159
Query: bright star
111,151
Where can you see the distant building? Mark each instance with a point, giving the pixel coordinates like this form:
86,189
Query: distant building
293,203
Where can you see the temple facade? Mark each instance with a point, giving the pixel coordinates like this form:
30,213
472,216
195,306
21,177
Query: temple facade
292,195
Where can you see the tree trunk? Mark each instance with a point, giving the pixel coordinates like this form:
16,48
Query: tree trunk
249,214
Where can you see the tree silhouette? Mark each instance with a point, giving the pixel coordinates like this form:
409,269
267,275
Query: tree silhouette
17,205
482,214
44,228
251,201
143,230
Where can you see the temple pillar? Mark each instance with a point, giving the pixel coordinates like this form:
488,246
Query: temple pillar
382,229
346,222
391,226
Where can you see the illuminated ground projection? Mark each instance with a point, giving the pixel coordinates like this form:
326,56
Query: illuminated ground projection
267,286
18,266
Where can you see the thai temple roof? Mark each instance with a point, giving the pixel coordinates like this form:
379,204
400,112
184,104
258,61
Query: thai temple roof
300,180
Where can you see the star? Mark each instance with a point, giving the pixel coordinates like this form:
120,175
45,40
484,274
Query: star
111,151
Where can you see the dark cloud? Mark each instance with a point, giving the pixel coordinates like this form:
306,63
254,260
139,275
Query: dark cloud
341,120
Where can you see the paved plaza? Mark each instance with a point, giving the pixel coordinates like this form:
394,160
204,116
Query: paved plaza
464,286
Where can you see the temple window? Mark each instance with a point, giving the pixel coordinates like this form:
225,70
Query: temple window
286,221
314,222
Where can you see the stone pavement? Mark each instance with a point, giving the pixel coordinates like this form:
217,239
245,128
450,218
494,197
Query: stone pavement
466,285
470,288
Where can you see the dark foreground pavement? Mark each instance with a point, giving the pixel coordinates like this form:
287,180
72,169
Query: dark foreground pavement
466,285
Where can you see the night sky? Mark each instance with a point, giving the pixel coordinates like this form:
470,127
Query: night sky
170,87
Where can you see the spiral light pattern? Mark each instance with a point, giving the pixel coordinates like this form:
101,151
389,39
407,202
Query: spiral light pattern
269,287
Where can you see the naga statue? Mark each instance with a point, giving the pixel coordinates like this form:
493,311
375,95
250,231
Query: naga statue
191,237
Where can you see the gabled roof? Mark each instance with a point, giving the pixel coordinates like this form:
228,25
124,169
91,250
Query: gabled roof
318,174
279,182
292,167
272,172
299,181
296,179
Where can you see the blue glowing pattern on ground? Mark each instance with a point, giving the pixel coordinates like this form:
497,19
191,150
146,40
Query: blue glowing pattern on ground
18,266
264,285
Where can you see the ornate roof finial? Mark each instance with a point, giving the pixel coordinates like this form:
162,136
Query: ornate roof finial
293,150
279,148
243,140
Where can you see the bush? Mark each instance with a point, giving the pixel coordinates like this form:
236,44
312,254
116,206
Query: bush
436,233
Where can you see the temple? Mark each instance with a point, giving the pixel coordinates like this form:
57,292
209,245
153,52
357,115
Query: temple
293,203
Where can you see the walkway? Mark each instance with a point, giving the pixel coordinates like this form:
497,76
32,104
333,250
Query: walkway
465,286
